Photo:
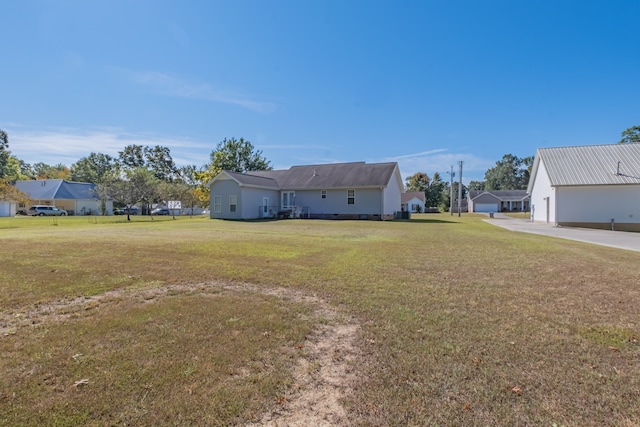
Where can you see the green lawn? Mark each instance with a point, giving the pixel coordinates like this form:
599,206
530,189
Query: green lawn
461,322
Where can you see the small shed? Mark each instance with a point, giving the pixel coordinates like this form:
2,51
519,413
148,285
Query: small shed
7,208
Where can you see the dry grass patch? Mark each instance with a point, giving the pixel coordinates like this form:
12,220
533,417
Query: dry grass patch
188,357
463,323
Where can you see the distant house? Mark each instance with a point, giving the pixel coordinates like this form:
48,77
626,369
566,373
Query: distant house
413,201
595,186
77,198
498,201
329,191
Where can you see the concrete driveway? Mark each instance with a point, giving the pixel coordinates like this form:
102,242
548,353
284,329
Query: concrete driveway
614,239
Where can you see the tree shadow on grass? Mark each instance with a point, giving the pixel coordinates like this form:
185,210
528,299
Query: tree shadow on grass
427,221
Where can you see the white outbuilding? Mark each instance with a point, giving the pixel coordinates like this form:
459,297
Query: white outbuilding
594,186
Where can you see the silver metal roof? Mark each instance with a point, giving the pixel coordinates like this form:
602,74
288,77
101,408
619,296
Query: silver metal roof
590,164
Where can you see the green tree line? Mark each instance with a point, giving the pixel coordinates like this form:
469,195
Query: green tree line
139,174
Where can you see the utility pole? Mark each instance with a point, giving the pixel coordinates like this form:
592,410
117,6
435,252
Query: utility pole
451,175
460,188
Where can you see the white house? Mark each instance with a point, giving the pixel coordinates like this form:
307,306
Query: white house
329,191
596,186
413,201
498,201
77,198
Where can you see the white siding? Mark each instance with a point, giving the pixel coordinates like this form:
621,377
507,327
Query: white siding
414,201
225,188
7,209
598,204
543,196
367,201
250,201
393,194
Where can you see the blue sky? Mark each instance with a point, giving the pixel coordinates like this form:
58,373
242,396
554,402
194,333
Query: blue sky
424,83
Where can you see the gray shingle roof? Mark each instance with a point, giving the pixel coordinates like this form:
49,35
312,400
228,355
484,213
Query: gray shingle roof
405,197
49,189
253,180
590,164
503,195
319,177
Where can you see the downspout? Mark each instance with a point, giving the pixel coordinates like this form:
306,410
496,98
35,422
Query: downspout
381,203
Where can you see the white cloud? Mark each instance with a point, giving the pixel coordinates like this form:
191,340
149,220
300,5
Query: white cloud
166,84
440,160
67,146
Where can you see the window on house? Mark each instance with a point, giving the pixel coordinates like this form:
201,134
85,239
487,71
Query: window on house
323,194
288,199
233,203
217,203
351,197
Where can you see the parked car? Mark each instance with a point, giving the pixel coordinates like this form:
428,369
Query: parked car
124,211
160,211
42,210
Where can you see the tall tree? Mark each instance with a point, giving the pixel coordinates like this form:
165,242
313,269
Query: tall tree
132,157
476,186
4,154
237,156
419,181
231,155
95,168
11,193
45,171
15,169
630,135
4,140
434,192
433,188
159,161
510,173
138,185
188,183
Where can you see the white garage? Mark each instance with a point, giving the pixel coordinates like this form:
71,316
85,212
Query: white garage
485,207
590,186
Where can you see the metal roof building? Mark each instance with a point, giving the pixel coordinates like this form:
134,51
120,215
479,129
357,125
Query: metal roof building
595,186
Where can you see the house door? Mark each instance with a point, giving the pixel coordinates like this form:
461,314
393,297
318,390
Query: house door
265,207
288,199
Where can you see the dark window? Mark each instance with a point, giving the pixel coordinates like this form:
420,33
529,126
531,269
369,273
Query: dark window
351,197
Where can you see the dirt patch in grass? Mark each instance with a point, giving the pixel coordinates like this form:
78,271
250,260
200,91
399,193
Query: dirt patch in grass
322,373
469,324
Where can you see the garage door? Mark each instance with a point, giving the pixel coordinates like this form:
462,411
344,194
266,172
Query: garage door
485,207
